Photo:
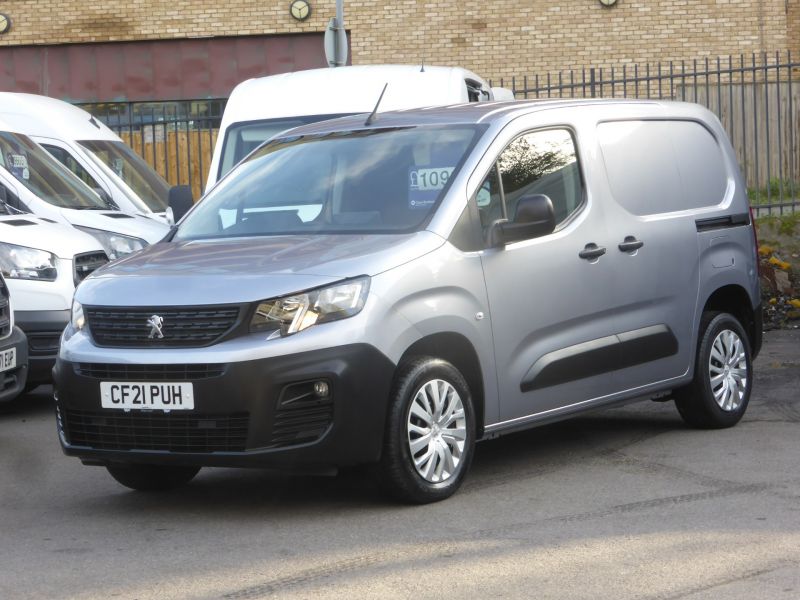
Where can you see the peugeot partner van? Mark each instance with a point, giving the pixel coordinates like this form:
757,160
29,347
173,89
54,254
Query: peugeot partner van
32,181
13,350
260,108
89,149
42,262
392,290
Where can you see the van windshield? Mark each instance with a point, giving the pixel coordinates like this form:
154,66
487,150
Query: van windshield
135,172
242,138
365,181
33,167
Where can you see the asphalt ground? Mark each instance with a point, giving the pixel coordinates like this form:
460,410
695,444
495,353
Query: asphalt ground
622,503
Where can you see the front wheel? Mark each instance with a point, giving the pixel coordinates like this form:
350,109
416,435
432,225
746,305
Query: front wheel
149,478
430,432
723,375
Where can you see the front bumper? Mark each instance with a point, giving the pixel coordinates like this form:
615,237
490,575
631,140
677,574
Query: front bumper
12,382
259,413
43,329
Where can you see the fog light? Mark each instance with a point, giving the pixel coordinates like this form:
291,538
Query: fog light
321,389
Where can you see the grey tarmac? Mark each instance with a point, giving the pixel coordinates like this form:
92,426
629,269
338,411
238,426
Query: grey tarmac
625,503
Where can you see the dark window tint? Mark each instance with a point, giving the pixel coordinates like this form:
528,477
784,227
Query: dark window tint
66,159
662,166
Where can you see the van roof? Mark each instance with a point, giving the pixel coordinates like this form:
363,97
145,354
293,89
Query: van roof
43,116
489,112
346,90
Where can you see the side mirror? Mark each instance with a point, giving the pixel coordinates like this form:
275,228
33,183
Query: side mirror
501,93
180,201
534,218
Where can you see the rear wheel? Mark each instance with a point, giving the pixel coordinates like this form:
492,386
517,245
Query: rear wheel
723,376
430,435
148,478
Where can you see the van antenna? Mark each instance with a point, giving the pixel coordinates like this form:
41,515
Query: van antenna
374,112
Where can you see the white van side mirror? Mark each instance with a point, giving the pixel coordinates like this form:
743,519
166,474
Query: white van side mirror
501,93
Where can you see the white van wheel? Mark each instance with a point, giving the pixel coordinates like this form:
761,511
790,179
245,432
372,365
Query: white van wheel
430,434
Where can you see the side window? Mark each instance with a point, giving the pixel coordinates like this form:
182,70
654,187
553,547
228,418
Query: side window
662,166
13,204
539,162
66,159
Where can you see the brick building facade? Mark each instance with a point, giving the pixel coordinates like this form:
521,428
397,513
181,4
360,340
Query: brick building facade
496,38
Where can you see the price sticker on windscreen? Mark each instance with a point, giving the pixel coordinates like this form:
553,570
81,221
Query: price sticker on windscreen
425,184
18,165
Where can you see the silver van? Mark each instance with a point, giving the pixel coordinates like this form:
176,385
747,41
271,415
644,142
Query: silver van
393,289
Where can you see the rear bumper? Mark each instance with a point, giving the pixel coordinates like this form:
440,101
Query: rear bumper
260,413
43,329
12,382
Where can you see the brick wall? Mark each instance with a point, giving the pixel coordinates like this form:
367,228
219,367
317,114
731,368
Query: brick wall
496,38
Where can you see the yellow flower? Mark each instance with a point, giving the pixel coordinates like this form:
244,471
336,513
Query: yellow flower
773,300
779,263
765,250
795,302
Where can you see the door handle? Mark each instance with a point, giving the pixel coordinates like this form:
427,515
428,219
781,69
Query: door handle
630,244
592,251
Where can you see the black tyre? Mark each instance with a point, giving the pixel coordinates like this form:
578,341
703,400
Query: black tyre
723,375
149,478
430,432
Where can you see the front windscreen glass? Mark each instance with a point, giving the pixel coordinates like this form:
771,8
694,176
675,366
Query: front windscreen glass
367,181
133,170
43,175
242,138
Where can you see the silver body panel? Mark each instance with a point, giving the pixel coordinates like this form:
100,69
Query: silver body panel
516,305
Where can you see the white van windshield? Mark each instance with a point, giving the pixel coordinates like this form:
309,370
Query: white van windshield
366,181
242,138
43,175
135,172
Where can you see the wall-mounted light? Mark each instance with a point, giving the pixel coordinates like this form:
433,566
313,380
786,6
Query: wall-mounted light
5,23
300,9
608,2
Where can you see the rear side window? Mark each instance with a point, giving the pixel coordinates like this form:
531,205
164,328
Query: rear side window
662,166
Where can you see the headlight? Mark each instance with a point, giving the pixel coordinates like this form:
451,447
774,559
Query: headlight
297,312
78,320
116,245
21,262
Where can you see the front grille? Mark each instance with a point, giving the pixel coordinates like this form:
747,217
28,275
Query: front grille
84,264
168,432
149,372
5,311
43,343
185,327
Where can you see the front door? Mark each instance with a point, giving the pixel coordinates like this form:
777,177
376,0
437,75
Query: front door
551,300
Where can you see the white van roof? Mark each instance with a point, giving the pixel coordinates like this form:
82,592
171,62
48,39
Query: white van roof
30,114
347,90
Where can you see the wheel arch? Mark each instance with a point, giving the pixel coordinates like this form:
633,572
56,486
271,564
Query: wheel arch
458,351
735,300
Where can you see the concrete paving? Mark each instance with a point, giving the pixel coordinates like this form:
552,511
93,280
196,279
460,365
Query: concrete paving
623,503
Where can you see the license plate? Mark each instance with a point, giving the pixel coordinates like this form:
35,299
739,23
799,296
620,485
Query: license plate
8,359
146,396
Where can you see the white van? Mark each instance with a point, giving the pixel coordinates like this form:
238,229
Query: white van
32,181
42,263
89,149
262,107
